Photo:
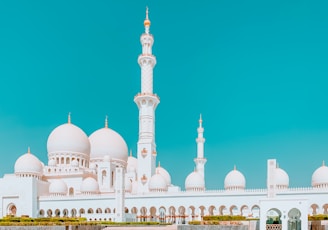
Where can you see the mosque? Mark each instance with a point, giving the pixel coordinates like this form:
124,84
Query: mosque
96,178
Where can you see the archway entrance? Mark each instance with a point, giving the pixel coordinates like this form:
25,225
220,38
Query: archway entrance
12,210
273,221
294,222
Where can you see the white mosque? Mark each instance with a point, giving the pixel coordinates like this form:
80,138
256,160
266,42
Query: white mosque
94,177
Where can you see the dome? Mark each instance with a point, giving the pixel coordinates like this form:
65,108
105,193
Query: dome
194,182
68,138
320,176
28,164
132,164
89,185
234,180
157,183
106,141
165,174
52,162
128,185
58,187
282,178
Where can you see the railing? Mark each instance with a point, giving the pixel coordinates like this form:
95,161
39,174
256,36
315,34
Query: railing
273,227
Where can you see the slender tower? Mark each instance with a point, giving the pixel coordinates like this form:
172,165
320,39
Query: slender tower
200,161
147,102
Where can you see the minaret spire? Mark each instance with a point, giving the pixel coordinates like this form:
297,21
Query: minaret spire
200,161
106,121
147,22
147,102
69,118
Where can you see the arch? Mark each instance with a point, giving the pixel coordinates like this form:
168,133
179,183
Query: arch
41,213
90,211
223,210
73,212
57,212
244,210
143,214
211,210
107,210
191,211
65,212
255,211
172,215
294,221
71,191
162,214
11,209
49,213
98,210
234,210
182,214
152,211
134,210
273,216
82,211
202,211
325,209
67,160
126,210
315,209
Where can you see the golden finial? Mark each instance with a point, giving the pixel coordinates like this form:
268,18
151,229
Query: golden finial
106,122
234,168
147,21
159,164
29,150
69,118
323,163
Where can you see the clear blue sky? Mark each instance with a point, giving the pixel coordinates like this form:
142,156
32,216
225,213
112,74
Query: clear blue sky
256,70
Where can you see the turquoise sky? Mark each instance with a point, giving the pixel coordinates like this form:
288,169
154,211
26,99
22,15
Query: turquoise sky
256,70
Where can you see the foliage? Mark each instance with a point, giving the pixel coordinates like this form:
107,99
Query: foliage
318,217
224,218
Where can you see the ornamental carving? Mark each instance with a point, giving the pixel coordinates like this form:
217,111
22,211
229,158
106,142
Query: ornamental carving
144,152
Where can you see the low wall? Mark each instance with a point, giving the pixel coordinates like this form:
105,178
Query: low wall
81,227
212,227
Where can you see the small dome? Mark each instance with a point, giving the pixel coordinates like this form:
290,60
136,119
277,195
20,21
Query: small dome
234,180
132,164
28,164
282,178
157,183
52,162
68,138
74,163
89,185
165,174
194,182
320,177
128,185
58,187
106,141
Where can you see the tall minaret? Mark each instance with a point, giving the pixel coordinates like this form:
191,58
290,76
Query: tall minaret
200,161
147,103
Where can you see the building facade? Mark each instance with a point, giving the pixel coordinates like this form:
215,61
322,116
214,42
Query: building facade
96,178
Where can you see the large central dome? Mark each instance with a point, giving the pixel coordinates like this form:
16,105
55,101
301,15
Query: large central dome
68,138
107,142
